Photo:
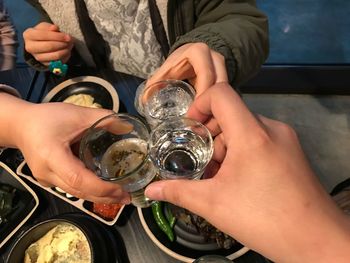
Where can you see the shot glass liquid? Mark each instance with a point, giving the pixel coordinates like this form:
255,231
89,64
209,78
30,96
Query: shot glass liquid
180,153
126,161
172,101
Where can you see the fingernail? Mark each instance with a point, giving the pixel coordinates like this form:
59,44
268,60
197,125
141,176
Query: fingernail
154,191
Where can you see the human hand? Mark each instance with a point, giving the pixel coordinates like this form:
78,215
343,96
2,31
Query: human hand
46,43
263,192
45,136
194,62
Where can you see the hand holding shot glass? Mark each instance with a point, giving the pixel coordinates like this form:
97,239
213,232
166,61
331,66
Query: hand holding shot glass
177,147
120,158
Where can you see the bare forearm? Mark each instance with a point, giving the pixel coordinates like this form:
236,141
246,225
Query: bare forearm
11,111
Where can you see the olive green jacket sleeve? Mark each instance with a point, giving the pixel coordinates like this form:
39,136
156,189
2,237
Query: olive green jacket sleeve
234,28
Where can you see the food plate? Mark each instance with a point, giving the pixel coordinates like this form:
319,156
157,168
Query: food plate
106,243
187,245
101,90
24,202
85,206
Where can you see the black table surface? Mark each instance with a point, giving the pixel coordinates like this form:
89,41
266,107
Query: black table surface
139,247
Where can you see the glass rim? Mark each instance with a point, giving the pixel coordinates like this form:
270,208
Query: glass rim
167,81
181,118
140,106
89,131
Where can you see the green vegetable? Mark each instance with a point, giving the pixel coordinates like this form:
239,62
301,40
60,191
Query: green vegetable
162,222
169,216
7,194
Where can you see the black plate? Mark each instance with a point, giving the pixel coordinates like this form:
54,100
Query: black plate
84,205
107,243
188,244
24,201
102,91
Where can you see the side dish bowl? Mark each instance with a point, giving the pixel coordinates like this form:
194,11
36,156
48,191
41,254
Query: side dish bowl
24,202
87,207
187,245
101,90
105,245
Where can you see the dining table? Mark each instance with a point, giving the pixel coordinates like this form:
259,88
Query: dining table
137,246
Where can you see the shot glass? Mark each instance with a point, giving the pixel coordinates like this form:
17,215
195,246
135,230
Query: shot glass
163,100
120,158
180,148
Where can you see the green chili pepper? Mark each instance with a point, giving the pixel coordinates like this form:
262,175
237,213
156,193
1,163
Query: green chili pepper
162,222
7,195
169,216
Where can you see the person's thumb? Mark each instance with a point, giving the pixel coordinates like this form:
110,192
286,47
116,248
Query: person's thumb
193,195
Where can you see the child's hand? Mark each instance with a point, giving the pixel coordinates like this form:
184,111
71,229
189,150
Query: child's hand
46,43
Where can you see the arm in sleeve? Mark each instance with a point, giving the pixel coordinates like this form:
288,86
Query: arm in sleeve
237,30
8,41
9,90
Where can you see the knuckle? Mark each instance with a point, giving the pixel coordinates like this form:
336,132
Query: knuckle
218,56
63,53
27,33
287,131
28,47
51,46
261,138
42,25
74,179
200,46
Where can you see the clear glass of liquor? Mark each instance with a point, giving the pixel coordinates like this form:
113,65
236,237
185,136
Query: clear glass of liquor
121,158
180,148
163,100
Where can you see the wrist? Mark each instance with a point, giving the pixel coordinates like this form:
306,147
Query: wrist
330,241
322,235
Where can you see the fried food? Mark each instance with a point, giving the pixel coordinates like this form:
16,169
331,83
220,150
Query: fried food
84,100
63,243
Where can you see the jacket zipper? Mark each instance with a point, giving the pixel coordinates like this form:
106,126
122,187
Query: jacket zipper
175,21
158,27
